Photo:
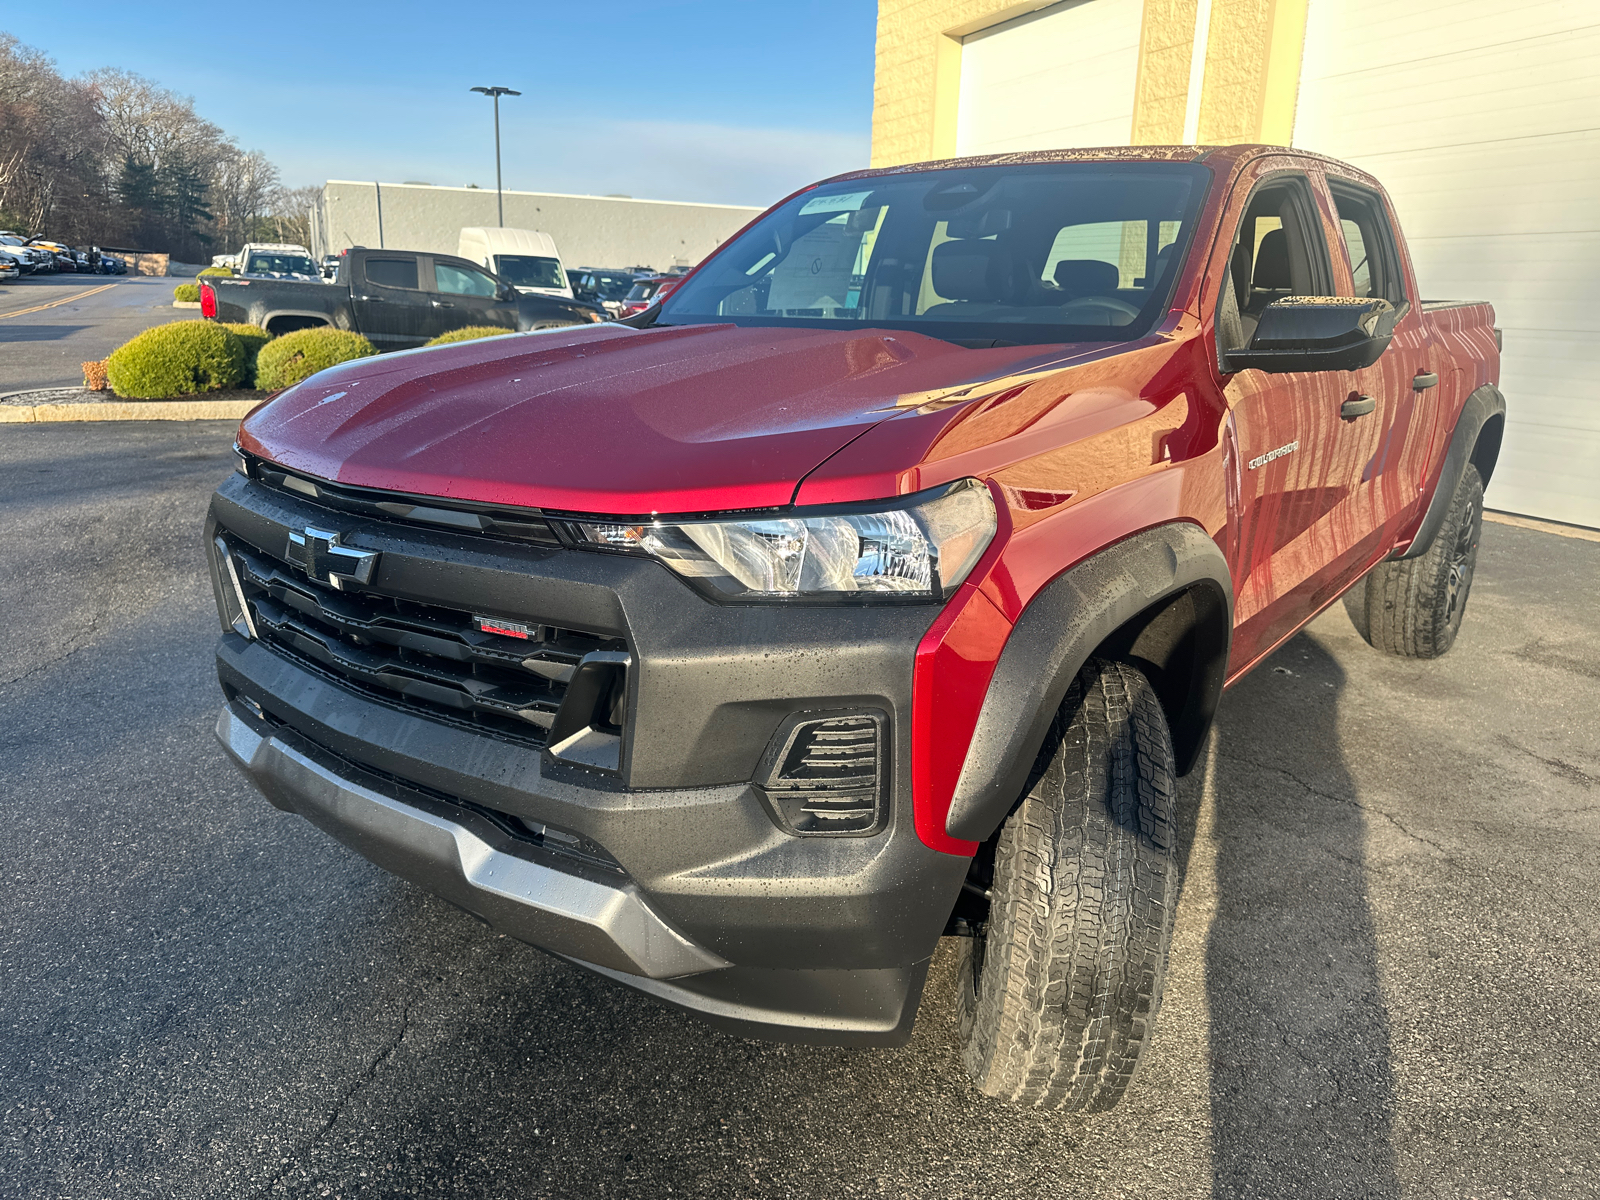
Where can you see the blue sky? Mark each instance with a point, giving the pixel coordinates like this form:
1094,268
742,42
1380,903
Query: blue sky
723,101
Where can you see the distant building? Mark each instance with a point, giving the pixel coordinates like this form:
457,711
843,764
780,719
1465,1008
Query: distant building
1477,115
592,231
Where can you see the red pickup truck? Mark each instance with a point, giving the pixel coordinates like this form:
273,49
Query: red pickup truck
875,587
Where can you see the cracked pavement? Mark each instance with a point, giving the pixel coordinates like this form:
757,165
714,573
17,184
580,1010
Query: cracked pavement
1384,979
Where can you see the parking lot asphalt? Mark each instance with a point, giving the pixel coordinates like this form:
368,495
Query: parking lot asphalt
1384,980
46,347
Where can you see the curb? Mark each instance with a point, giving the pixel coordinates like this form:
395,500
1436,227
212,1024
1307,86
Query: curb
135,410
186,304
1560,529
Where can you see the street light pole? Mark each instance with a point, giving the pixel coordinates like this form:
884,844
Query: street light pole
499,192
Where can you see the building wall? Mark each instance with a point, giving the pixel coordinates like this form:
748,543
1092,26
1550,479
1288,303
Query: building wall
596,231
1207,70
1478,115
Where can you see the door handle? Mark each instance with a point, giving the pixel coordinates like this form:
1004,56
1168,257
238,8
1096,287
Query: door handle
443,304
1423,380
370,299
1357,406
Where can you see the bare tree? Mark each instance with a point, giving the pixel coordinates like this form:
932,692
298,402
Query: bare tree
114,156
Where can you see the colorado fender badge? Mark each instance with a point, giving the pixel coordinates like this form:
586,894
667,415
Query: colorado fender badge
1264,459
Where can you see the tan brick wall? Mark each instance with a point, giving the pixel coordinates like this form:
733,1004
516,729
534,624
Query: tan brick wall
1252,71
913,100
1166,46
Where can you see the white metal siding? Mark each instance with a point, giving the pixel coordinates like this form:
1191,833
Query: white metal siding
1063,76
1482,118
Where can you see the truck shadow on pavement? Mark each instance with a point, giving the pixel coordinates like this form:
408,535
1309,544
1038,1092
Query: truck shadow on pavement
1302,1086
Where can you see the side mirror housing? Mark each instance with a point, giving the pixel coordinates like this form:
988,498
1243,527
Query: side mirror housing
507,292
1318,333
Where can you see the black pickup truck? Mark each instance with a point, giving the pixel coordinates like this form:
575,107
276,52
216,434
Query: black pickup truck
396,298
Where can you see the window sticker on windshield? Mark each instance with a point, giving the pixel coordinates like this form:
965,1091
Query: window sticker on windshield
848,202
814,278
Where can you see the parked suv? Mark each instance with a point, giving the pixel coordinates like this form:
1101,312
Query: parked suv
875,587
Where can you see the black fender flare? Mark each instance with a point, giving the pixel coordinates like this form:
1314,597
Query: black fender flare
1484,406
1170,582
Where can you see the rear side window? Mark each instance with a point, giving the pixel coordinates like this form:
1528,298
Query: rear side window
461,281
392,272
1374,262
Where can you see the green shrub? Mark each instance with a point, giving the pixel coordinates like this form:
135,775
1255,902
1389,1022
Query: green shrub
254,337
285,361
228,271
176,360
187,291
470,334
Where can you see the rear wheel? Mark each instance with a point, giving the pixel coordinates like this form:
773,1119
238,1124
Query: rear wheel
1059,992
1413,607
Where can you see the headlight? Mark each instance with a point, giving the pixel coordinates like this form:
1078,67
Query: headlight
918,548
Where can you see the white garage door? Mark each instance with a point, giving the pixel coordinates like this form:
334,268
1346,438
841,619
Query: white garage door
1063,76
1480,117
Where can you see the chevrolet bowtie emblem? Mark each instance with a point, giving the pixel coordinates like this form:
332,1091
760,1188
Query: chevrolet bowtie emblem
319,554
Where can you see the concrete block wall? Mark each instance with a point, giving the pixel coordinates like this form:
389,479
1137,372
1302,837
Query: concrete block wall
595,231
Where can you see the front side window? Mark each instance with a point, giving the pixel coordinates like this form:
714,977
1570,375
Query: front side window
462,281
1019,254
1278,252
529,271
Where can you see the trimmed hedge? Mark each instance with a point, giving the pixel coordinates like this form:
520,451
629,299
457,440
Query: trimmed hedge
187,291
470,334
177,360
228,271
254,337
285,361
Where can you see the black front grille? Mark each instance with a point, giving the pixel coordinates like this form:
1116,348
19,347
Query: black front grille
430,659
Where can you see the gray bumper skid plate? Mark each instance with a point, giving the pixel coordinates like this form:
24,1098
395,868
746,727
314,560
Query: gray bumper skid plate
604,924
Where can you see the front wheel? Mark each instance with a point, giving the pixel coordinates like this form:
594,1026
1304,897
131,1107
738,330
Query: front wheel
1059,993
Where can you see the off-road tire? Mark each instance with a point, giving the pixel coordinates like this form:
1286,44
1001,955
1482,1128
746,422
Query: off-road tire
1058,998
1413,607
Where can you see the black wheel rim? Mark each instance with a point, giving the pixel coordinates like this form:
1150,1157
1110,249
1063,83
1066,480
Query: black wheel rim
1458,581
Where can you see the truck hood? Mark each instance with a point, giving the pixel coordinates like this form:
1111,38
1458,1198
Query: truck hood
609,419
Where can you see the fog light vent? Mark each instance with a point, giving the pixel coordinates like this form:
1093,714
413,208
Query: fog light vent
824,775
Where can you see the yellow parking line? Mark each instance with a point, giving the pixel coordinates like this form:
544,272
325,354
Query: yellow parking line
64,300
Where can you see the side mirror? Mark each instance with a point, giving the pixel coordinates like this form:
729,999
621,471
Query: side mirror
1318,333
507,292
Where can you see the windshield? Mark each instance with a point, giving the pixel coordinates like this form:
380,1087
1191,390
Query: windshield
530,271
1050,252
612,286
280,264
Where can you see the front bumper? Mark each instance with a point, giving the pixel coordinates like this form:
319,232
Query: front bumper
575,913
708,903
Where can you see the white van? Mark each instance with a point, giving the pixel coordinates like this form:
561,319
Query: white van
524,258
